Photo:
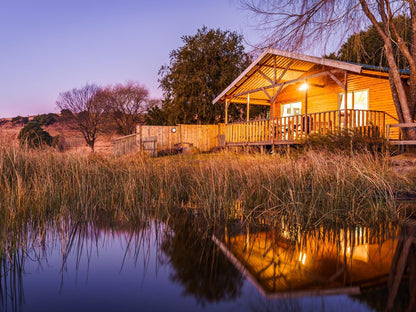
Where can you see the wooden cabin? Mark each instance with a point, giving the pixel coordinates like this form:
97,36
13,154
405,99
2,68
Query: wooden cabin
308,95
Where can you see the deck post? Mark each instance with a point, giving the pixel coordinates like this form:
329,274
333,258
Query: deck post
248,117
306,98
226,111
248,107
345,99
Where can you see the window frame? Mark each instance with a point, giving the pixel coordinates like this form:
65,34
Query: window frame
352,92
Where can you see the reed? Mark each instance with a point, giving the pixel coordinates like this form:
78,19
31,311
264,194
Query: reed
311,188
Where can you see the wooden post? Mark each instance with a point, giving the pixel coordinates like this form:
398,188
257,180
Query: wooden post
345,99
248,107
248,115
226,111
306,99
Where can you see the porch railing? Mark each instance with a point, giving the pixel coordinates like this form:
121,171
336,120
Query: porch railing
277,130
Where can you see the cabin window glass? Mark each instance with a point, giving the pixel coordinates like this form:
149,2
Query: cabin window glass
356,100
291,109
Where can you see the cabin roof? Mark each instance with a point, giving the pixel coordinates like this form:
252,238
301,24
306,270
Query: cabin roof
274,69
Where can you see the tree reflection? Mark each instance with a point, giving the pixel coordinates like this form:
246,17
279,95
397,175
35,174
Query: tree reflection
31,244
200,267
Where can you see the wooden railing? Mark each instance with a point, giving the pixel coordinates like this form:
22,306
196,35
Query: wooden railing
399,139
294,128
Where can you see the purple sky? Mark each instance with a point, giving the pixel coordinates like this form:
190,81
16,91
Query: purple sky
50,46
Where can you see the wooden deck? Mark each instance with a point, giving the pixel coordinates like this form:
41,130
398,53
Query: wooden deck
293,129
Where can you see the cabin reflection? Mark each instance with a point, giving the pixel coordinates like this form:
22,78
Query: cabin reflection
286,263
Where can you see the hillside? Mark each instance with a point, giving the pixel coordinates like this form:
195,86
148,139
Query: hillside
72,140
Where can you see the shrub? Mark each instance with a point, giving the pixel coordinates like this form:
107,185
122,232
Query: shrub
347,140
20,120
33,135
46,119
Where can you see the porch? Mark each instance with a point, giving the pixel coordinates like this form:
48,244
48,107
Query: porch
293,129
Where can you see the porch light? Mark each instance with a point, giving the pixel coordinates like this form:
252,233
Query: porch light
303,87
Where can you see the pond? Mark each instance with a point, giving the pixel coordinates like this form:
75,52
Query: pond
180,265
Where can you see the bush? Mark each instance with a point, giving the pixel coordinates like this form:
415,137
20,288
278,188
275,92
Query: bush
33,135
20,120
46,119
346,140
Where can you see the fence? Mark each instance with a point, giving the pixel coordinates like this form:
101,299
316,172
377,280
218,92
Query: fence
154,139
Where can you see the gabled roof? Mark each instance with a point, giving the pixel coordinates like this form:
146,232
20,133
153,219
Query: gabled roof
261,76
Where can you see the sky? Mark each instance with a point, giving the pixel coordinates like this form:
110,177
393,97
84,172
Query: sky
51,46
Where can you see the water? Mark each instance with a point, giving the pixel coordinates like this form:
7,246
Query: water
182,266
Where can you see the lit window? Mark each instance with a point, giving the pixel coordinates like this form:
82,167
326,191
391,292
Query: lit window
356,100
291,109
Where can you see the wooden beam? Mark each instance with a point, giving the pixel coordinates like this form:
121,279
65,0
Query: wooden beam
264,75
247,76
277,93
284,72
337,80
346,99
306,99
265,92
253,101
284,83
226,110
248,107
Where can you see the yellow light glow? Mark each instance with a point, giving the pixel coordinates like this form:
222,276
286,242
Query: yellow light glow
302,257
303,87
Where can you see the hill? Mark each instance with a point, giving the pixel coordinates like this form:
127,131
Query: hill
71,139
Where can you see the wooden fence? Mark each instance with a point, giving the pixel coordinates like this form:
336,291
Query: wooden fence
154,139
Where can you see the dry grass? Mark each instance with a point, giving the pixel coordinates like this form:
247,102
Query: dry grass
309,189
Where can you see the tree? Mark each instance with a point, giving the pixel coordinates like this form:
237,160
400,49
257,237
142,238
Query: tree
198,71
87,111
296,24
46,119
127,104
367,47
33,135
154,114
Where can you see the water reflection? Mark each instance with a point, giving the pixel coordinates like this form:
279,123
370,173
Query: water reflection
73,250
62,263
285,263
200,267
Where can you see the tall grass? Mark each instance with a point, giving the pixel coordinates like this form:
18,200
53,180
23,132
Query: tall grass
309,189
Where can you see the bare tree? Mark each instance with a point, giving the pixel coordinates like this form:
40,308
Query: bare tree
84,110
300,24
127,103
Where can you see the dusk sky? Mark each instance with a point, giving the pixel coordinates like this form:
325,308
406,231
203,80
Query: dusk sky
50,46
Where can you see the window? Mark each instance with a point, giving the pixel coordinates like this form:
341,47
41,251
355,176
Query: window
356,100
291,109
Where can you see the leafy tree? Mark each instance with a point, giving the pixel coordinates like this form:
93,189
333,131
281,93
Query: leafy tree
367,47
154,114
33,135
86,111
46,119
198,71
127,104
297,24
